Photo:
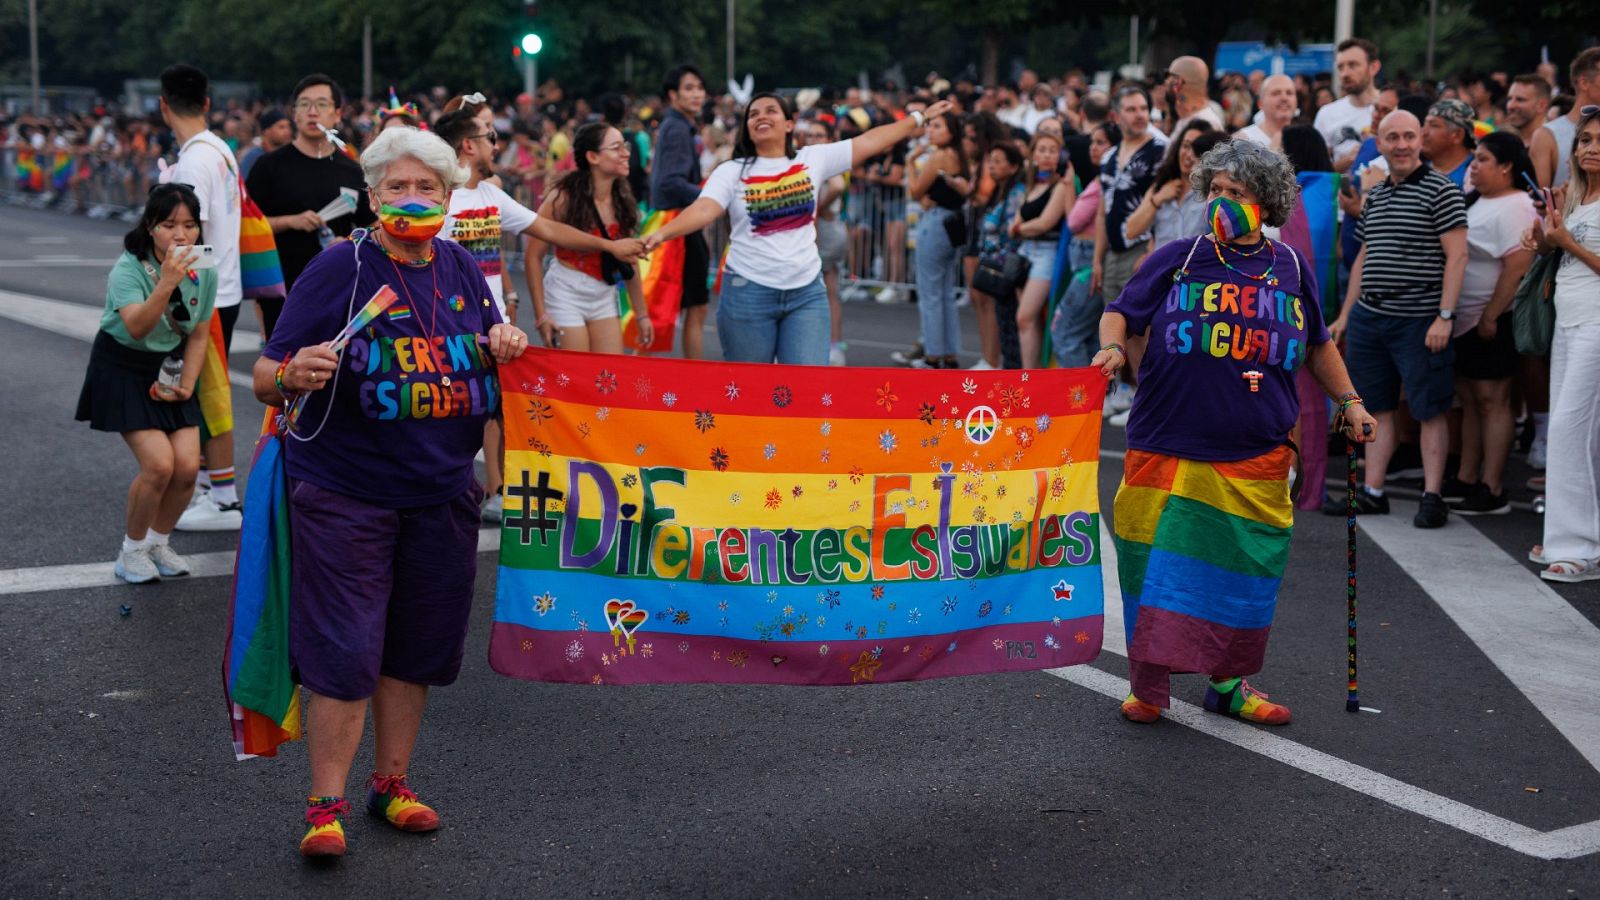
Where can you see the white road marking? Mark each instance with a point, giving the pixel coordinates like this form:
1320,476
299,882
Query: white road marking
73,320
45,262
48,239
1562,843
91,575
1549,650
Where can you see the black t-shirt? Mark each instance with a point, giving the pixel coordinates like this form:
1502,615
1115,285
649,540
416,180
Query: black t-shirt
1076,147
286,181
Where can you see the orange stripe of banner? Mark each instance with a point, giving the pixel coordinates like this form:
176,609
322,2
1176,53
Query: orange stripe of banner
796,444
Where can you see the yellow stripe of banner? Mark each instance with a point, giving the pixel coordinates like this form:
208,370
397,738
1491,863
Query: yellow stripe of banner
804,501
1259,501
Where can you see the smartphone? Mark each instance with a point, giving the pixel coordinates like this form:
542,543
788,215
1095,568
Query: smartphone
207,258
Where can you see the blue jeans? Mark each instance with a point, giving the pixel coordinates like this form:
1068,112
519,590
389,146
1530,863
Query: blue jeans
757,323
936,285
1075,330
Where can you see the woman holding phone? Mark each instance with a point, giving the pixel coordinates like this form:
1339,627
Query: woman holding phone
142,372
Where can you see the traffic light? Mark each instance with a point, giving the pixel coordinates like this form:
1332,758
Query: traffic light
530,44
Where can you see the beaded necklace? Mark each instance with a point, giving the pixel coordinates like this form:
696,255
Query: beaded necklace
1266,276
433,302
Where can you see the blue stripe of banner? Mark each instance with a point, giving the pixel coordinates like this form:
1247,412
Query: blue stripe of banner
757,612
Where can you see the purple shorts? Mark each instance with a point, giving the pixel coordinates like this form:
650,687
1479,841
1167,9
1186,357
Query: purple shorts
379,591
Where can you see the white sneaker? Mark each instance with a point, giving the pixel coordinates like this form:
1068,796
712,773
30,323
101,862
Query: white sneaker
205,514
963,298
921,362
836,354
136,567
1537,453
891,295
1120,419
493,509
167,561
982,365
854,293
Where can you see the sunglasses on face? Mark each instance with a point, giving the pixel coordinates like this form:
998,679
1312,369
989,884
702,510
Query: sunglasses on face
490,136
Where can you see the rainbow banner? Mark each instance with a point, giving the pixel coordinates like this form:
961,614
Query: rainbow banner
260,270
661,278
672,521
61,172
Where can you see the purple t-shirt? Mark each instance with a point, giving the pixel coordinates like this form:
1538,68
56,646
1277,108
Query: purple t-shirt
1215,334
414,388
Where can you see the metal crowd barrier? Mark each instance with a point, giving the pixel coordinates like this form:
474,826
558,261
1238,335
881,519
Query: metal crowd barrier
101,185
882,221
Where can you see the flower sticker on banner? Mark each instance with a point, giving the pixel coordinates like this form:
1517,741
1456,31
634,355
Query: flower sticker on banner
887,397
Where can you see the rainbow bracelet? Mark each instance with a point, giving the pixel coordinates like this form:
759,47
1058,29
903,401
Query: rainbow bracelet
277,379
1117,347
1349,399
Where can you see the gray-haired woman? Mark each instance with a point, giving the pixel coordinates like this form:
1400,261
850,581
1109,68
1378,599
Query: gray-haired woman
1203,516
382,493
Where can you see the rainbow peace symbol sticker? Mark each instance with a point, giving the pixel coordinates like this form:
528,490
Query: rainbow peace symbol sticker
982,423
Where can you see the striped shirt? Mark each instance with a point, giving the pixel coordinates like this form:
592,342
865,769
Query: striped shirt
1403,274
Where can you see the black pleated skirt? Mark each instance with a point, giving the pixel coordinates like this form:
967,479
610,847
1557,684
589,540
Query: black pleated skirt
116,391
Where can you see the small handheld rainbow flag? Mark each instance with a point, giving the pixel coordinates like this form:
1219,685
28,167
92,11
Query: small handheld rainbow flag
381,301
29,176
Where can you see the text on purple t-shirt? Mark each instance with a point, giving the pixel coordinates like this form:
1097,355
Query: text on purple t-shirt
414,387
1217,380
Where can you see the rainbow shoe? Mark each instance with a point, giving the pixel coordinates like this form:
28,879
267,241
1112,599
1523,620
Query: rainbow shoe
1136,710
1235,697
325,836
389,797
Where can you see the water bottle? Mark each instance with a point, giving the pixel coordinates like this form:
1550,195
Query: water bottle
170,377
326,237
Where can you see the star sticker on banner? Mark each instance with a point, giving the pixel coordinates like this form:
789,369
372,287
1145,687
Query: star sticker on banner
865,668
731,391
1062,590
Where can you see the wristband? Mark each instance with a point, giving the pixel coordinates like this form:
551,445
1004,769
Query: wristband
918,117
1349,399
543,321
1117,347
277,378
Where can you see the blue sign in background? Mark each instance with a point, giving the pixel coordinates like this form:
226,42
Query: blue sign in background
1245,57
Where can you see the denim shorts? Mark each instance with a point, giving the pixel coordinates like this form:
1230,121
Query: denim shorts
1041,256
1386,353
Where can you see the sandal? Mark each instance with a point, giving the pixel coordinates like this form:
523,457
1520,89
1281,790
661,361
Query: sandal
1572,571
1536,555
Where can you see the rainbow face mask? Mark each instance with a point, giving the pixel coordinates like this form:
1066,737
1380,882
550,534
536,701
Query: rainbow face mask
412,219
1231,220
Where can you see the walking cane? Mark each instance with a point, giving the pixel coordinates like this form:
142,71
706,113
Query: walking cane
1352,701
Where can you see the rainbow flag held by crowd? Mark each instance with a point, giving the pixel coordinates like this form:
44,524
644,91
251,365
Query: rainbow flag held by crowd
61,172
661,278
1313,230
263,701
675,521
29,176
215,393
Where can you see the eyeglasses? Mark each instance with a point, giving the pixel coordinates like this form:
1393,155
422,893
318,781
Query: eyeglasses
492,137
175,307
318,105
618,147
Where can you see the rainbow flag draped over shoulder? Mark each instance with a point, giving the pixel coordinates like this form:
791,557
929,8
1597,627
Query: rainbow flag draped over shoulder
661,277
681,521
263,701
260,271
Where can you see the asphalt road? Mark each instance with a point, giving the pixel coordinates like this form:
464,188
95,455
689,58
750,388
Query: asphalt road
121,780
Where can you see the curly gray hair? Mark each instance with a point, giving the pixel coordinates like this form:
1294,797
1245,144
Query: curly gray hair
1264,172
423,146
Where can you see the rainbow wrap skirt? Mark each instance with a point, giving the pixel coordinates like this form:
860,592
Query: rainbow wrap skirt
1201,549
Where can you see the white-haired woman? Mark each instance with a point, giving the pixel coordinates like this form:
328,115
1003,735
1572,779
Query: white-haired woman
1203,516
382,493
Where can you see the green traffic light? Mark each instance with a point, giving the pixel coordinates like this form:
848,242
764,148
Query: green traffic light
531,43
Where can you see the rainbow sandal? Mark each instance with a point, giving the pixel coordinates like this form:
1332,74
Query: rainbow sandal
1136,710
325,835
1241,701
389,796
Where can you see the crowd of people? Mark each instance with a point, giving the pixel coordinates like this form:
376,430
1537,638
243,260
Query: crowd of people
1244,255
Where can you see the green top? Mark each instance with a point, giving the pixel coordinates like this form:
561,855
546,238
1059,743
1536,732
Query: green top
130,283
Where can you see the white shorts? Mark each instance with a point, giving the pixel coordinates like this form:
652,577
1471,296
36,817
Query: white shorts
573,299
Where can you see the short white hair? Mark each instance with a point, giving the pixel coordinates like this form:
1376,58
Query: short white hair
423,146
